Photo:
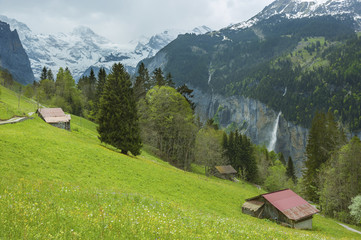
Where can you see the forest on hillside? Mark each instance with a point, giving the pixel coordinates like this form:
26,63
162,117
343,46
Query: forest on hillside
296,66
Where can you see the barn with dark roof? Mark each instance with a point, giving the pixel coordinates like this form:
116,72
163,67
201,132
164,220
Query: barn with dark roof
285,207
225,172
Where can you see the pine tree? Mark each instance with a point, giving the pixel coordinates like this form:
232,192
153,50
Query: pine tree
102,75
225,144
187,93
169,80
290,170
282,159
158,78
44,74
118,120
323,139
50,75
92,85
142,82
249,161
231,148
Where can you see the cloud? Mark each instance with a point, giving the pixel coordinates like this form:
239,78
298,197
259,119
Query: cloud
124,20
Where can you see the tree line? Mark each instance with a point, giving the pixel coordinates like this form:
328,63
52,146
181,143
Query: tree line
332,171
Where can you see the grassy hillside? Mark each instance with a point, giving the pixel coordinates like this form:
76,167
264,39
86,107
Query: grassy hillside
9,104
62,185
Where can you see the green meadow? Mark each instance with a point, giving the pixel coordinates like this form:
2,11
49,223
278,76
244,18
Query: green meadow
56,184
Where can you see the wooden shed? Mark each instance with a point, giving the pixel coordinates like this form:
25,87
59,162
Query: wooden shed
225,172
55,117
284,207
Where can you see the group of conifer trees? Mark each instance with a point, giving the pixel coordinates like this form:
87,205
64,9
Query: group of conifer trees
333,168
239,151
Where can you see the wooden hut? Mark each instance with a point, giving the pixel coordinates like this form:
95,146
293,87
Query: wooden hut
225,172
284,207
55,117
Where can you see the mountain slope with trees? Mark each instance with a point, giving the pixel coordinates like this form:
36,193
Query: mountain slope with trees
296,66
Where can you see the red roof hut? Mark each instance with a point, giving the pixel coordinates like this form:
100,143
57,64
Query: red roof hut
285,207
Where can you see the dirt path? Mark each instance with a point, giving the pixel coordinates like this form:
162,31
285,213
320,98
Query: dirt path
16,119
13,120
348,228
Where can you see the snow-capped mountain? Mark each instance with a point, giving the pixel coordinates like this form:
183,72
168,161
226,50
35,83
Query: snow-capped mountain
145,48
82,48
76,50
306,8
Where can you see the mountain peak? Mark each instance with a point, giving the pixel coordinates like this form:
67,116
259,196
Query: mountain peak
306,8
82,30
14,24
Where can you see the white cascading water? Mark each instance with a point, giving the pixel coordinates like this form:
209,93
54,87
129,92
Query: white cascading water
272,144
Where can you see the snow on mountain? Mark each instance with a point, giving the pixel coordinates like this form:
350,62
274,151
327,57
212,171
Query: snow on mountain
306,8
82,48
145,48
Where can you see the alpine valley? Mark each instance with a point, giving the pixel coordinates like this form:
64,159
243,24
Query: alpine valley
265,77
243,132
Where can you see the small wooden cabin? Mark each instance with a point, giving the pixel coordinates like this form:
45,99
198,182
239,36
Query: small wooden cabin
225,172
284,207
55,117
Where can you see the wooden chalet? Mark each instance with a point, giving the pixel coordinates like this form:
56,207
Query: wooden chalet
225,172
55,117
284,207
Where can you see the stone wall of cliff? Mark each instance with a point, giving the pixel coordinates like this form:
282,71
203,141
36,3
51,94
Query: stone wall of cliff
257,121
13,56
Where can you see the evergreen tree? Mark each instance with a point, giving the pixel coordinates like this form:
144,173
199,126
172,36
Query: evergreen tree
187,93
91,86
87,85
118,119
102,75
282,159
50,75
290,170
158,78
225,144
44,74
142,82
323,139
169,80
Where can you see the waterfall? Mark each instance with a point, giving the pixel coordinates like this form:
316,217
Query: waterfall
210,106
272,144
210,73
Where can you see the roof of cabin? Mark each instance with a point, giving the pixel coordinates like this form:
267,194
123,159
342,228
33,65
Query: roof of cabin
228,169
53,115
253,205
290,204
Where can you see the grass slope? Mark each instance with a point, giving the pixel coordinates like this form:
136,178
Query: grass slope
56,184
9,104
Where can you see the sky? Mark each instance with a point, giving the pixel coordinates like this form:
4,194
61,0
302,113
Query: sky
124,20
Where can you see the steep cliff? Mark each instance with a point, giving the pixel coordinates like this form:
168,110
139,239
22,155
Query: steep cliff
257,121
13,56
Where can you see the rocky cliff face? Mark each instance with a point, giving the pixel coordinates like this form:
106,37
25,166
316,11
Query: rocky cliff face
13,56
257,121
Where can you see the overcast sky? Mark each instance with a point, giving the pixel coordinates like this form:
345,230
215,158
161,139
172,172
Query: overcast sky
124,20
